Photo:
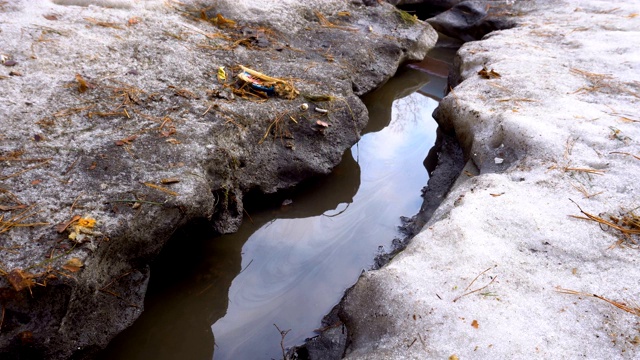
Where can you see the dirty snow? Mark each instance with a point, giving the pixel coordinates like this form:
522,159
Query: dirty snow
558,130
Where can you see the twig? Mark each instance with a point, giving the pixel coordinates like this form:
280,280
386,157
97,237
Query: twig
602,221
14,221
25,170
586,170
624,153
119,297
134,201
50,260
283,334
163,189
112,293
73,164
116,279
584,191
245,268
479,289
74,202
328,24
4,158
629,309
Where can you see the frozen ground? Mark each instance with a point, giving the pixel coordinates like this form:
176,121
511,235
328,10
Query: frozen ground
553,130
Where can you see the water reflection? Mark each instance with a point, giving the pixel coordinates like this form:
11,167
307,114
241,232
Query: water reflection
296,270
289,265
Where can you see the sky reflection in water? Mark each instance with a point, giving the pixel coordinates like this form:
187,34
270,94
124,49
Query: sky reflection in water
292,270
295,270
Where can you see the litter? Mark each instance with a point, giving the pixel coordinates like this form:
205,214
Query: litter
267,84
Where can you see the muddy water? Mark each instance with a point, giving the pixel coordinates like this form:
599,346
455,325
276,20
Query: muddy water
289,265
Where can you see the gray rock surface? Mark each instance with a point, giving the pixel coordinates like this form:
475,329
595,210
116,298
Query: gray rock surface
113,111
534,251
438,4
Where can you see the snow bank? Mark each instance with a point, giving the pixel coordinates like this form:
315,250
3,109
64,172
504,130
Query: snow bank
554,131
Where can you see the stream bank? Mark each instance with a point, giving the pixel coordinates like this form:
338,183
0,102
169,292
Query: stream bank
296,252
517,261
126,121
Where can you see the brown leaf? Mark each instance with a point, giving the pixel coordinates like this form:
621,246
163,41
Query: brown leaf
488,74
82,83
474,323
20,280
223,22
60,228
51,17
73,265
133,21
126,141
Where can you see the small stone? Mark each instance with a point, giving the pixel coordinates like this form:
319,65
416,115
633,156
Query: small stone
498,160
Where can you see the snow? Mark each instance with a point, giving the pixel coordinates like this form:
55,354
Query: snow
567,99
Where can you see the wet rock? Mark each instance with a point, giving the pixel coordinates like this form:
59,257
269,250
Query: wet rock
468,21
109,138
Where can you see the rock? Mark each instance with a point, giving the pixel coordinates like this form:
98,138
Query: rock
122,129
440,5
469,20
508,267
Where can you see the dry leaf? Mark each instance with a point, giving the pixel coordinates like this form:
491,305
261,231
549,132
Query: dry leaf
82,83
126,141
134,20
87,222
488,74
60,228
222,75
73,265
20,280
223,22
474,323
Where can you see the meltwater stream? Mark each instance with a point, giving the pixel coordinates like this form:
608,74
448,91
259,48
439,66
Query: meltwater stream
290,265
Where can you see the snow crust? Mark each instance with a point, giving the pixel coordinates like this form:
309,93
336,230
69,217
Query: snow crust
567,98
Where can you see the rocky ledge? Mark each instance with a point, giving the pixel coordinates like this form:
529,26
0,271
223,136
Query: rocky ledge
534,251
124,120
